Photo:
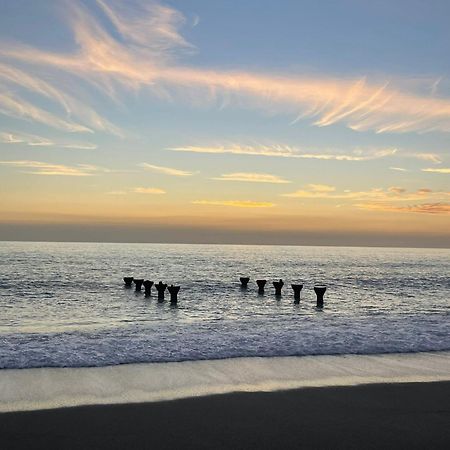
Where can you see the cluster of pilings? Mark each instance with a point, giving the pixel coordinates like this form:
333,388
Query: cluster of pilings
278,285
160,288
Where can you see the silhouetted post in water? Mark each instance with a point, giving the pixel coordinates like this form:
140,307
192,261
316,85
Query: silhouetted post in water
128,281
297,289
173,293
160,287
320,291
244,281
148,287
138,284
261,284
278,285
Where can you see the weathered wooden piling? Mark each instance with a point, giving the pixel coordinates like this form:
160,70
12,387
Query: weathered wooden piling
244,281
128,281
148,287
320,291
138,283
160,287
261,284
173,293
297,289
278,285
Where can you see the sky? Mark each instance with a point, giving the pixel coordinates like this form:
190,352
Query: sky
262,122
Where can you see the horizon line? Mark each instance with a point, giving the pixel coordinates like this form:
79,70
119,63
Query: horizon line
222,243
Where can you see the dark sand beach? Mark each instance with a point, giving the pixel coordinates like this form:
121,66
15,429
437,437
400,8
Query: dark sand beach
409,415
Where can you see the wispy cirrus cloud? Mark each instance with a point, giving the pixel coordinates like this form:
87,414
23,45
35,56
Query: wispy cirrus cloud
15,106
434,86
77,145
422,208
398,169
437,170
252,178
32,140
148,190
148,24
72,107
166,170
321,188
139,190
286,151
28,139
393,199
358,104
234,203
430,157
43,168
290,151
142,54
391,194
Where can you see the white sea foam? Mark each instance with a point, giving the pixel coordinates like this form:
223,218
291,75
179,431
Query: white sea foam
29,389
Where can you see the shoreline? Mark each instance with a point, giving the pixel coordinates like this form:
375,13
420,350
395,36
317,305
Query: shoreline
51,388
375,416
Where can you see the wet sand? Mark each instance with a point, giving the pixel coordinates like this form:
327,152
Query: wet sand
409,415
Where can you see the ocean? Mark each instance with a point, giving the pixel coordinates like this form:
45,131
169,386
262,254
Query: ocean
65,304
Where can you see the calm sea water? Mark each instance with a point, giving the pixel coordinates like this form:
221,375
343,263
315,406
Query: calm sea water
64,304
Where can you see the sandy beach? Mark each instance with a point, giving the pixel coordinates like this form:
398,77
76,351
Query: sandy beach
404,415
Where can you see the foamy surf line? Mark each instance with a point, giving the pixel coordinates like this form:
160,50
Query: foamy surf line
46,388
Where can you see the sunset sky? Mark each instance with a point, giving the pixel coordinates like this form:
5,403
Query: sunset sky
291,122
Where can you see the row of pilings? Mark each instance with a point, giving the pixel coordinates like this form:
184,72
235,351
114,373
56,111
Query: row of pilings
173,290
160,288
278,285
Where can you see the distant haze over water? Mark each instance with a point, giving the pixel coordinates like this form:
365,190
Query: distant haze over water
195,234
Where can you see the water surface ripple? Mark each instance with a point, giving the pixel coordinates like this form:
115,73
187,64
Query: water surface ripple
64,304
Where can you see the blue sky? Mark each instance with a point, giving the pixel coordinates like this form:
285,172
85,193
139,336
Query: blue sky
226,114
